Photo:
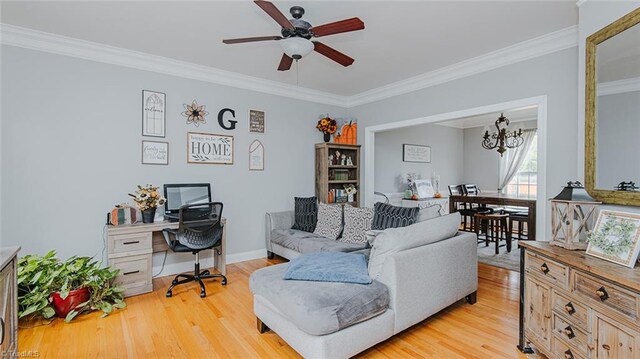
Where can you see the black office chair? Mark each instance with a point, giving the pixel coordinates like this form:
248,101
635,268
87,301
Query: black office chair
199,228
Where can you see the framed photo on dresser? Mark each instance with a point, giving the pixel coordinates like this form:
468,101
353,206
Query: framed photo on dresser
616,237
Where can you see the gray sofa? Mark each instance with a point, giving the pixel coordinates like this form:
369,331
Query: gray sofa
326,320
289,243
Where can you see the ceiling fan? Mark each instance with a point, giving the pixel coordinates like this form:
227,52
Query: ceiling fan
297,33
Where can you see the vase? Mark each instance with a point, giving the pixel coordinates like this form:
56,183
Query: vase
148,215
327,137
62,307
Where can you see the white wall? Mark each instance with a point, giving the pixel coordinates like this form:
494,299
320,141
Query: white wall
553,75
71,138
618,129
481,166
446,156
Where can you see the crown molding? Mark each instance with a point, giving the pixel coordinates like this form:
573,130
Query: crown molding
62,45
580,2
620,86
543,45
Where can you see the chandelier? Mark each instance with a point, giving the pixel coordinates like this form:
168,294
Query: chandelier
502,139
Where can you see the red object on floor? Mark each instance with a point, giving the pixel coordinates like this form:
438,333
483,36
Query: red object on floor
62,307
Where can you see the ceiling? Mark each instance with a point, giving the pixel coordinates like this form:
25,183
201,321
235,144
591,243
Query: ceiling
401,39
487,120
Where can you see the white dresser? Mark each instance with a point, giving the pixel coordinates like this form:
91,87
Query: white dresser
443,202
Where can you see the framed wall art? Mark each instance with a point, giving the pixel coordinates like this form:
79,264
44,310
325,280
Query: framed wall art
256,156
615,237
423,188
416,153
155,153
209,148
153,113
257,121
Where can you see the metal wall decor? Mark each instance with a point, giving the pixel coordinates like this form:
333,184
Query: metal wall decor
501,139
153,113
195,113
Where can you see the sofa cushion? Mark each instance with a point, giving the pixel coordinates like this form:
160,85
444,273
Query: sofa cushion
329,267
393,240
429,212
305,213
357,221
329,220
388,216
319,308
305,242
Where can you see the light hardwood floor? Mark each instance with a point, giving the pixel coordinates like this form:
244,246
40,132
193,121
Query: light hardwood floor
222,325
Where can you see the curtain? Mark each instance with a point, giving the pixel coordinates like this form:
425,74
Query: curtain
513,158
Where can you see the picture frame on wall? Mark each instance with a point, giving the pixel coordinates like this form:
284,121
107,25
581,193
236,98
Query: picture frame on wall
416,153
257,121
155,153
256,156
209,148
616,237
153,113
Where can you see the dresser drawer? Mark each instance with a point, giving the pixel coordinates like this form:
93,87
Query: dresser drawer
617,299
575,312
135,273
561,350
548,270
571,334
130,243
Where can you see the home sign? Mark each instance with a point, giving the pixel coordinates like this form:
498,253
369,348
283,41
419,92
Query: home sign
208,148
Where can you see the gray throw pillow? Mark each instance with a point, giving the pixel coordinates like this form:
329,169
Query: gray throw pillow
430,212
305,213
329,220
388,216
357,221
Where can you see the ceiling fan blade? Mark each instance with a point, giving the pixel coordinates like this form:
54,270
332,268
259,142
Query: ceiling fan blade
273,11
285,63
332,53
251,39
337,27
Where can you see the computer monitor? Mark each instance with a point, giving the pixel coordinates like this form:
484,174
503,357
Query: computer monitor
178,195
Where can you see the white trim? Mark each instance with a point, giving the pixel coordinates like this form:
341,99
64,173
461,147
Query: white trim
539,101
246,256
580,2
62,45
543,45
464,127
620,86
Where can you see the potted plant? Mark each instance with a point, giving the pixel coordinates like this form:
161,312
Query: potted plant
147,199
48,287
327,126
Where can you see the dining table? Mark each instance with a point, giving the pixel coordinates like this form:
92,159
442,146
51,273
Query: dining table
498,199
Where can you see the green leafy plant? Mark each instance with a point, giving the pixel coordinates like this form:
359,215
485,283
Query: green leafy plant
39,276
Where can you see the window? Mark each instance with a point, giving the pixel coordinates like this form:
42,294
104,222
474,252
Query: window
525,182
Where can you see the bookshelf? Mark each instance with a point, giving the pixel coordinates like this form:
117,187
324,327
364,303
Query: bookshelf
331,177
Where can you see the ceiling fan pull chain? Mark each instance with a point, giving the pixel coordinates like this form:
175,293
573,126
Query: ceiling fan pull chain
297,74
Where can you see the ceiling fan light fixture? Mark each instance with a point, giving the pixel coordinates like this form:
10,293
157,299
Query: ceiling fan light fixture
296,47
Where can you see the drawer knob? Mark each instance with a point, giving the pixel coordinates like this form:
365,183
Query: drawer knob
569,308
568,354
568,331
544,268
1,331
602,294
606,347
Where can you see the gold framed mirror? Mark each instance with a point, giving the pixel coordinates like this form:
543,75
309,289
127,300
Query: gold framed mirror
612,117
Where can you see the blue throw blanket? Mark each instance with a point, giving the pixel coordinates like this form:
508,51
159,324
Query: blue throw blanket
329,267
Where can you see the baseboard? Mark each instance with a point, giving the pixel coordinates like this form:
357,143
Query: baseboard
183,262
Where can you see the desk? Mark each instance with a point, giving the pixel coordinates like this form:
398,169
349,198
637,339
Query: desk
500,200
131,246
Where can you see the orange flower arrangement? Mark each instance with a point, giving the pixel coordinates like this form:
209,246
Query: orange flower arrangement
327,125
